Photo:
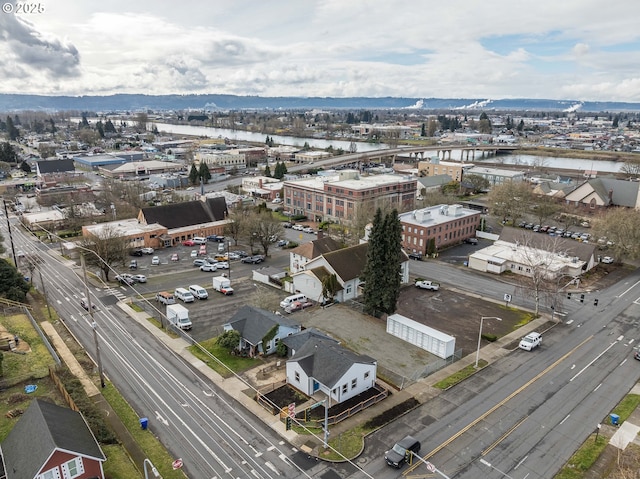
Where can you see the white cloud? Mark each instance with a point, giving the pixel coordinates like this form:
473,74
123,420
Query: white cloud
541,49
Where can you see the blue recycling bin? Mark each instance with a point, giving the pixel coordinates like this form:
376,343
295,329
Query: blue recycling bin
615,419
144,422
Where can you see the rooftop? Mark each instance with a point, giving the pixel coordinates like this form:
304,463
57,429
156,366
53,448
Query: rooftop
435,215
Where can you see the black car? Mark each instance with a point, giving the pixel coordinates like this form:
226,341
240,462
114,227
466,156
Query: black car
397,455
216,238
136,252
416,256
471,240
85,304
636,355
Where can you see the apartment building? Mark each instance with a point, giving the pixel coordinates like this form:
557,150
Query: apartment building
339,196
435,167
444,224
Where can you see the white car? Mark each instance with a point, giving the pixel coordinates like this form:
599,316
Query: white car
307,229
155,261
194,254
233,255
222,265
209,267
147,250
297,227
530,341
140,278
607,260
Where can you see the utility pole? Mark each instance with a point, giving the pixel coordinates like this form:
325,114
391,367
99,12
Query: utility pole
94,325
44,293
13,249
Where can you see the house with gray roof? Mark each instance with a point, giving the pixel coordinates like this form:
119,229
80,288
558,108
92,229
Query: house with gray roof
260,330
347,264
598,193
300,255
50,441
322,365
295,341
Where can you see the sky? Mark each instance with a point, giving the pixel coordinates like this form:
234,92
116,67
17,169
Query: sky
581,50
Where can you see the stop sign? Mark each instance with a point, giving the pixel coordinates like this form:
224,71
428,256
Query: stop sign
177,464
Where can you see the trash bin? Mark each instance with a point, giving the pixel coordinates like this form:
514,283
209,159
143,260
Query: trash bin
615,419
144,422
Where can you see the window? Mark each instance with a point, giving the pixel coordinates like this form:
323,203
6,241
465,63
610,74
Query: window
344,389
51,474
73,468
297,376
366,375
354,383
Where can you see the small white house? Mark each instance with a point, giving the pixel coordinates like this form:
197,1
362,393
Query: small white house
323,365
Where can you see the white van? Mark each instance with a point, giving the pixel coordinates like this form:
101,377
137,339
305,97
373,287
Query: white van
198,291
184,295
291,299
199,240
165,297
222,247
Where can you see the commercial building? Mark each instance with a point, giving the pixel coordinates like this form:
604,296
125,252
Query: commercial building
341,195
440,225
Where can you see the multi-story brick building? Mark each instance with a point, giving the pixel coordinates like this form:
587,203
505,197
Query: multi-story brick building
445,224
340,196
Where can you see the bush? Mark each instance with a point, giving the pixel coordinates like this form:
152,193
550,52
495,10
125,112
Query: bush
490,337
299,218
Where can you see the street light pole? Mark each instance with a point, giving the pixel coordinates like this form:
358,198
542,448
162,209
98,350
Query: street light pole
94,325
154,471
482,318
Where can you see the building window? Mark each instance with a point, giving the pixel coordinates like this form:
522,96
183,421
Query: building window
52,474
354,383
73,468
297,376
366,375
344,389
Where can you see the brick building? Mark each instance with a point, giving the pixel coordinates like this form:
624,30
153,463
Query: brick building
340,196
445,224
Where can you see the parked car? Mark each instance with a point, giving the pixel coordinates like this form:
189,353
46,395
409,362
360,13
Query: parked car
155,261
530,341
241,253
222,265
636,355
174,257
210,267
607,260
125,279
188,243
276,201
147,250
297,306
133,264
307,229
416,256
398,454
286,224
298,227
233,255
85,304
136,252
194,253
471,240
140,278
282,243
199,262
216,238
253,259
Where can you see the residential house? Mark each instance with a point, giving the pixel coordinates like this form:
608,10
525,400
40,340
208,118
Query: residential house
185,220
295,341
260,330
321,364
50,442
522,251
442,225
301,255
347,264
601,193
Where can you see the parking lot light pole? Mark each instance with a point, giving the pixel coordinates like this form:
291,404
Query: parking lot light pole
482,318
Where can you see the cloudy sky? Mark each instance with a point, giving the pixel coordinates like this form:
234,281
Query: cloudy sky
487,49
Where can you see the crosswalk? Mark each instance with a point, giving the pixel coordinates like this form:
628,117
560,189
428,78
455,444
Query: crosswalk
117,292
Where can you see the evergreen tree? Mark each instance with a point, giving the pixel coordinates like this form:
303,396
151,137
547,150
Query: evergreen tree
277,173
109,128
12,131
12,283
423,132
100,129
381,273
7,153
24,166
193,174
204,172
267,170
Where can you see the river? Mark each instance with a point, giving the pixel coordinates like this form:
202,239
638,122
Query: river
527,161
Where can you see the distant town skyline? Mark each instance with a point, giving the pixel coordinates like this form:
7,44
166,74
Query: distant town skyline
570,49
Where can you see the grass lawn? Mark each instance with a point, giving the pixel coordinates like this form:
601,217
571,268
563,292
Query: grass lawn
236,364
461,375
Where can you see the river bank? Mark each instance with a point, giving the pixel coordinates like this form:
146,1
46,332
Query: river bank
595,155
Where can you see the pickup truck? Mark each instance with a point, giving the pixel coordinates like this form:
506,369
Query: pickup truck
424,284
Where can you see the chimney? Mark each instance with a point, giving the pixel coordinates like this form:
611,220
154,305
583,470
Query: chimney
610,196
320,233
259,182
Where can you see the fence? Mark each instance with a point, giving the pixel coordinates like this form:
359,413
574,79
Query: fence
67,397
437,365
263,391
382,394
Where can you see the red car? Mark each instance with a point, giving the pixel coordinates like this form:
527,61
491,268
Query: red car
188,243
297,306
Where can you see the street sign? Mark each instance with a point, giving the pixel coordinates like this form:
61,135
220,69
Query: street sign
177,464
292,410
507,297
431,467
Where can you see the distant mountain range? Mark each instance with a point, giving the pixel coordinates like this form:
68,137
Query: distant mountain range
136,102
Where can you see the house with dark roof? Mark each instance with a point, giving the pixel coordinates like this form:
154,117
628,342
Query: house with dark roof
45,167
523,252
295,341
322,365
598,193
347,264
50,441
300,255
260,330
188,219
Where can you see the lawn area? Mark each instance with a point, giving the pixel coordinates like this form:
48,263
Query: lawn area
226,362
461,375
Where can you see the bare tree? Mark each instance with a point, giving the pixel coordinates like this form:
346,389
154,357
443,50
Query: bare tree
621,227
510,201
109,248
631,168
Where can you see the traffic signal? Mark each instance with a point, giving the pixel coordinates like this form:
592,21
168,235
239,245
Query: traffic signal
288,423
408,456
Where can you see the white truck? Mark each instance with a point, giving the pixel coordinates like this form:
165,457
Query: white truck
222,284
178,316
424,284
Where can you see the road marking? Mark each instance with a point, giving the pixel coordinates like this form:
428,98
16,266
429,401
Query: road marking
597,387
503,437
569,322
593,361
629,289
565,418
497,406
521,461
631,341
625,360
